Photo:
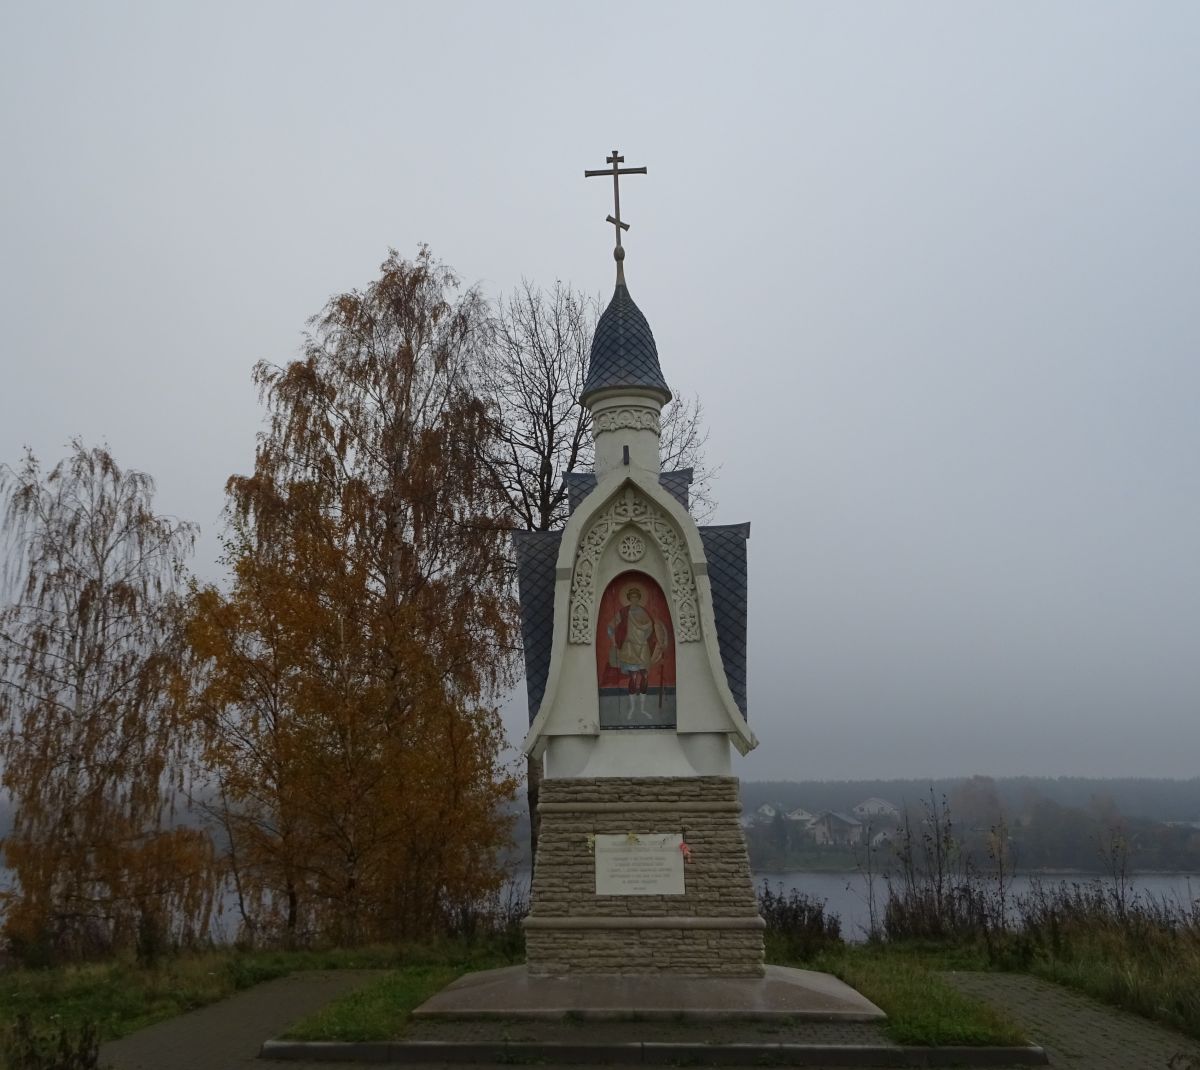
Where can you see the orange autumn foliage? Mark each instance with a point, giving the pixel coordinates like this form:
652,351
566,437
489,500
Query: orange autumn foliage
91,754
344,687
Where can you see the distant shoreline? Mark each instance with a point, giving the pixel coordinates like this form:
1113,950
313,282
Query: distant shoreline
990,875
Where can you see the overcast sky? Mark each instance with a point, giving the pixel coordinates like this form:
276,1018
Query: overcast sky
933,268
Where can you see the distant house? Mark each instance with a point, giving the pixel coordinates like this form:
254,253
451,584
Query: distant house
834,829
761,816
874,807
883,839
800,815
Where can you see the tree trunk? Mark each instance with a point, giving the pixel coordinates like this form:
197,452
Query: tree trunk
292,912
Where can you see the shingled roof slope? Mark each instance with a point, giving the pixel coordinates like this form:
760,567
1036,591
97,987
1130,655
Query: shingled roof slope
581,484
725,548
537,553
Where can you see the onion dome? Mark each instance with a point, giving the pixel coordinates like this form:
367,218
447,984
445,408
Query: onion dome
624,356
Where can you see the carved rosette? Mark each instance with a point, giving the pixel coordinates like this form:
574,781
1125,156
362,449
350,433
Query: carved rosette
632,508
631,547
626,418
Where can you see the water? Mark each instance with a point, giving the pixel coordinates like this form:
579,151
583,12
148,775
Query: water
846,893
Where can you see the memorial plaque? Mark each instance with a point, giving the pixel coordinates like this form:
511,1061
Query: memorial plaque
649,864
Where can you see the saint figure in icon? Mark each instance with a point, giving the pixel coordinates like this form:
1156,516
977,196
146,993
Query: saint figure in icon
638,642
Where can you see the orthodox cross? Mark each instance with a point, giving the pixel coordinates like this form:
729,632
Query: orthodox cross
616,171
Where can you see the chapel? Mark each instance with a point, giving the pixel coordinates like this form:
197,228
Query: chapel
634,626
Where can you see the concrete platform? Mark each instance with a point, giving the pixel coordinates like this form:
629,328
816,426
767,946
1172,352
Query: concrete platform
434,1054
784,993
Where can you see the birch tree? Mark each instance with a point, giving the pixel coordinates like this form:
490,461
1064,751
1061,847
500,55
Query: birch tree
90,756
349,678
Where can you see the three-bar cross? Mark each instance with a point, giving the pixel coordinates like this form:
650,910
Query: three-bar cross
616,171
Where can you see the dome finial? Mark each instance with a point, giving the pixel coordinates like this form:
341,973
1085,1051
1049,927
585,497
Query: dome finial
616,159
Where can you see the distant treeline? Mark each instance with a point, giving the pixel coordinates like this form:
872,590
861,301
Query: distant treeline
1030,824
1157,800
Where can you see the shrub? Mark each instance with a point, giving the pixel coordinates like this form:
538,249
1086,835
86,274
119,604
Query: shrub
797,925
60,1048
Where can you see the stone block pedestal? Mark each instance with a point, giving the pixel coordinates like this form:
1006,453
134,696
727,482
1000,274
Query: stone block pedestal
712,929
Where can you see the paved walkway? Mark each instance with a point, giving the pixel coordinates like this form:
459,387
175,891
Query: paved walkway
1079,1033
228,1034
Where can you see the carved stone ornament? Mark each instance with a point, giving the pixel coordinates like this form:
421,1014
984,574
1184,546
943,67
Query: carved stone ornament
632,546
630,507
628,418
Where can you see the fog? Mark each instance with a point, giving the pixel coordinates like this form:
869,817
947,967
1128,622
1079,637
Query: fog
932,269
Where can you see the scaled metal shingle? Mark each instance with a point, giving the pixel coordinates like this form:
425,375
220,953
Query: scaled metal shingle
623,351
537,554
581,484
676,484
725,548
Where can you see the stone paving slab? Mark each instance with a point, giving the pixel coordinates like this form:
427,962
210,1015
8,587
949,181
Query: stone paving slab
648,1031
423,1053
512,992
652,1040
1077,1032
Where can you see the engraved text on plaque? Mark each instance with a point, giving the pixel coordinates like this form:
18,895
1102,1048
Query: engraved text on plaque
646,864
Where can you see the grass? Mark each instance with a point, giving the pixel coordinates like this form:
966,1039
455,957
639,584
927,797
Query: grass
1152,973
1136,961
378,1011
1139,954
899,977
922,1007
121,997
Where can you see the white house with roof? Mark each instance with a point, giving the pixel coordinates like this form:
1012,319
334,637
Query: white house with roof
764,815
876,807
831,829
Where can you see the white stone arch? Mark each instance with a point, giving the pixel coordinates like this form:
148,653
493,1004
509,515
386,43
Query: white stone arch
632,508
564,714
